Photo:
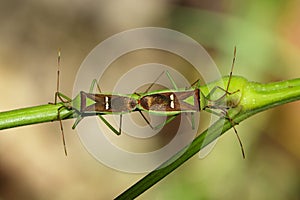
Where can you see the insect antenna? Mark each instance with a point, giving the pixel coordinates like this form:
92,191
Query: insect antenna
57,95
120,126
225,113
62,131
238,137
232,66
154,82
231,120
147,121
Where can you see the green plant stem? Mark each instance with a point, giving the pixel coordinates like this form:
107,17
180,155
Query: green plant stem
32,115
253,98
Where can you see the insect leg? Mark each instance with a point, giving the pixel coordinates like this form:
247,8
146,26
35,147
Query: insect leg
197,83
64,99
169,119
221,97
172,80
62,130
160,125
237,135
147,90
94,82
120,126
79,118
110,126
193,120
144,117
169,77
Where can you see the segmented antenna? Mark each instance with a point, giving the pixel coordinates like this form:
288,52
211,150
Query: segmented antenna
55,102
231,120
154,82
232,66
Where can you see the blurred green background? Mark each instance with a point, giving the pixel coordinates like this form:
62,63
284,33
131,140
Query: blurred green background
32,162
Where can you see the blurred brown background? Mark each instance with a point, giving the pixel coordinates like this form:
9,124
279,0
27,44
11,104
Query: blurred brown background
32,162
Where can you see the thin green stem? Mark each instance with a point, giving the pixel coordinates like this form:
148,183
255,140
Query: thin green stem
32,115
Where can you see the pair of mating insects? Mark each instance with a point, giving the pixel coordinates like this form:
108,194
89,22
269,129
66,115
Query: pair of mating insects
168,103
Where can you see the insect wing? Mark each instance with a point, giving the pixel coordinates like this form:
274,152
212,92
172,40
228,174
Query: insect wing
185,101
